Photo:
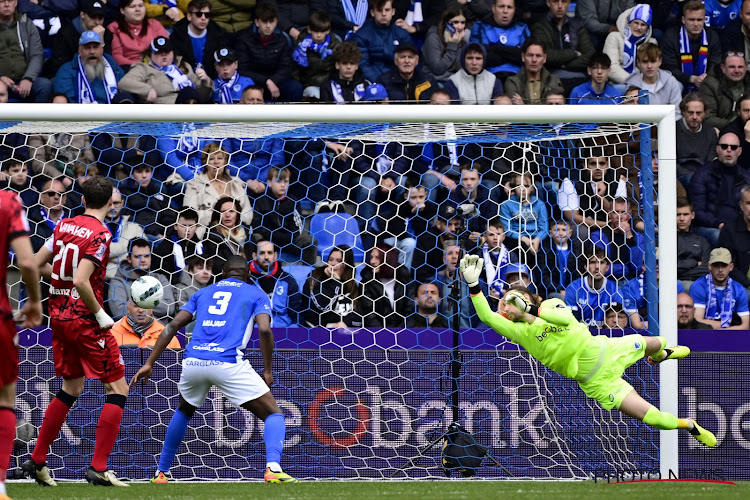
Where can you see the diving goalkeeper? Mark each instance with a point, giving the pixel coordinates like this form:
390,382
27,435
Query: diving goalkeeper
551,334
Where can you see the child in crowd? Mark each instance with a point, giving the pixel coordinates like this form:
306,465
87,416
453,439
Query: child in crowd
496,258
312,58
526,218
347,84
276,219
145,199
557,260
590,296
14,176
229,84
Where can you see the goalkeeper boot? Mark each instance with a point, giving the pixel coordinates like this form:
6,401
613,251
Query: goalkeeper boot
39,473
161,477
703,436
277,477
676,352
103,478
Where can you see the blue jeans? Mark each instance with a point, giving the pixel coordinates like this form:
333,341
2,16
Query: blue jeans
41,91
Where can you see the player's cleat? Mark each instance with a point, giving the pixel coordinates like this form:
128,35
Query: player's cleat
278,477
676,352
39,473
161,477
104,478
703,436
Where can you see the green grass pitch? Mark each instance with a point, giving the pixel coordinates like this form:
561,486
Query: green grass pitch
332,490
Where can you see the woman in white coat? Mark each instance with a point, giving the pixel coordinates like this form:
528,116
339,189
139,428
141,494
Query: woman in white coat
213,183
634,29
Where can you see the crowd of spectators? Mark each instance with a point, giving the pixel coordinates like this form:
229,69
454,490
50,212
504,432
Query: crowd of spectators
568,227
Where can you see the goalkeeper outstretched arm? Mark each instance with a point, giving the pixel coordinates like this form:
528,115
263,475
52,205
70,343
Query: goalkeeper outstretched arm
522,307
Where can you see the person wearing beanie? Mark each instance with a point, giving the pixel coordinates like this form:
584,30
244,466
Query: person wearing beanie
634,29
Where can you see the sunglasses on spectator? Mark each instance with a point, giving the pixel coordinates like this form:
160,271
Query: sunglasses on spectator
207,15
53,193
734,53
733,147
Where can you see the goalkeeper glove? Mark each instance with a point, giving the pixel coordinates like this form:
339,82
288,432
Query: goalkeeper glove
471,268
517,300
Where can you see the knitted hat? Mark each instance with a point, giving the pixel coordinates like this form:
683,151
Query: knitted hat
641,12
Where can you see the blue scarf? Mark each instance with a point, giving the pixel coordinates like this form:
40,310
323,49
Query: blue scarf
50,223
725,315
356,16
300,53
338,94
115,227
225,88
85,92
686,55
188,141
179,80
631,45
414,16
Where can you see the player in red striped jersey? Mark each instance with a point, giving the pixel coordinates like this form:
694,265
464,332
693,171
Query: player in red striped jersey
14,235
82,345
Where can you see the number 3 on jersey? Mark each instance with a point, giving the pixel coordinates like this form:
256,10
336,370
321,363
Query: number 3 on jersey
222,303
68,255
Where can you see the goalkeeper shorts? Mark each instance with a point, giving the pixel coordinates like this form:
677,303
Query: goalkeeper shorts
604,381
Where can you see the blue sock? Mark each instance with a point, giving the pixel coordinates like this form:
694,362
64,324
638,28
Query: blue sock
175,434
273,436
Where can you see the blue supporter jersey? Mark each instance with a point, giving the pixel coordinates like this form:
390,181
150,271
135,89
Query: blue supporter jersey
589,305
719,15
512,35
235,91
699,293
635,297
585,94
224,316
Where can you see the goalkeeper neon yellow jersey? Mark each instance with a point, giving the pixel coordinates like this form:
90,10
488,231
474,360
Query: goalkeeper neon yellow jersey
556,338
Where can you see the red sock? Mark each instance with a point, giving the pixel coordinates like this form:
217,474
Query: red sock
7,438
54,418
106,435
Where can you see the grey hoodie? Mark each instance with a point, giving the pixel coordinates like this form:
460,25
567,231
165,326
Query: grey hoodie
473,89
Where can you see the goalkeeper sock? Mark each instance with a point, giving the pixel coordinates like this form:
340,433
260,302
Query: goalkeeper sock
7,439
273,436
107,430
175,434
661,419
54,418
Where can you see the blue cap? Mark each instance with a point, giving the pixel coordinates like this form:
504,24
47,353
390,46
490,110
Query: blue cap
375,92
517,268
89,37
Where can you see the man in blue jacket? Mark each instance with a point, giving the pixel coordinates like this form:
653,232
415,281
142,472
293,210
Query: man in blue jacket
281,287
100,73
377,39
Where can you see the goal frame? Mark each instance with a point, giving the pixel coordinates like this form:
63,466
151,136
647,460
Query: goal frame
661,115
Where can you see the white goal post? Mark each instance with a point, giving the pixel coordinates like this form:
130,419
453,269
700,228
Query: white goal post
661,115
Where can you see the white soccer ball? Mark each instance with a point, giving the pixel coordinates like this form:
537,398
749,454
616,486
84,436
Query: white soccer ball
146,292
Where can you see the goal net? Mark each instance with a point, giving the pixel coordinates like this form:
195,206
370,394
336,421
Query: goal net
368,368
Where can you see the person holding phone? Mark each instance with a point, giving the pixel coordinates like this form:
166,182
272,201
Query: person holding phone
443,43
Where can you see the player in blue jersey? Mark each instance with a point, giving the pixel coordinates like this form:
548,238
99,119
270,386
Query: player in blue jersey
224,315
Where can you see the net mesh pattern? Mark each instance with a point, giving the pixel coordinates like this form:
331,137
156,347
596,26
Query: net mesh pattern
364,386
